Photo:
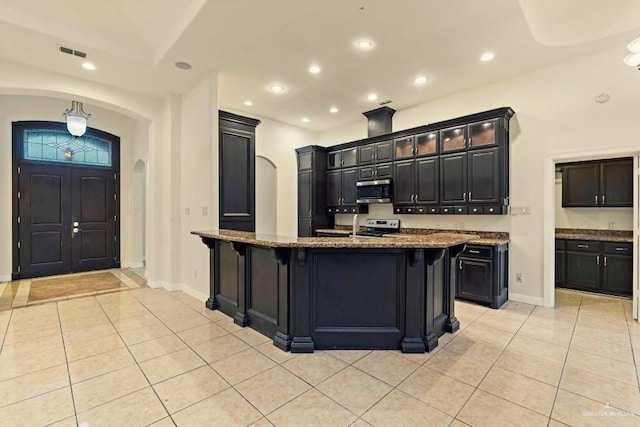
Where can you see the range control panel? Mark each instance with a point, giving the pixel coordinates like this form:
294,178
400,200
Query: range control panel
387,224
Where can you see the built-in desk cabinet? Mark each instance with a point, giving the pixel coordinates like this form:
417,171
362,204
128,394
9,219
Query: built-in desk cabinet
594,266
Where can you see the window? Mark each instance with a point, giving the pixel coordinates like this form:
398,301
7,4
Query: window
51,145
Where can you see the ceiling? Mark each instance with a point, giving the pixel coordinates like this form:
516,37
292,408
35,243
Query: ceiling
253,44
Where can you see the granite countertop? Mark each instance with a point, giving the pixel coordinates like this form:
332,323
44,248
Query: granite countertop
482,238
430,241
599,235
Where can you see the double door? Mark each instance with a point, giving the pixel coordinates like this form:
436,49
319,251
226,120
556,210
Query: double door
416,182
470,177
68,219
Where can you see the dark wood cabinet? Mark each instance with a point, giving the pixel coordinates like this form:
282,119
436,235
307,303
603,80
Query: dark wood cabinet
342,158
561,262
482,274
237,171
312,190
453,178
602,183
483,184
422,144
480,134
427,189
416,183
602,267
342,193
376,171
379,152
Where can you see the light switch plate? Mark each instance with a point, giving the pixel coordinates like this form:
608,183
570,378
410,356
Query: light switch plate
520,210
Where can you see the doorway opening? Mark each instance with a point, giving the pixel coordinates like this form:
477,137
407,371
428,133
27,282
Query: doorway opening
65,200
553,220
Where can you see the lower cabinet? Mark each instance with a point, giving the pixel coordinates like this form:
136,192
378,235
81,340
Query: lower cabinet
589,265
482,274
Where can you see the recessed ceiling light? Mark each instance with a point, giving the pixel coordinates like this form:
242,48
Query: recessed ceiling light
314,69
305,119
277,88
183,65
247,102
487,56
333,109
364,44
372,97
88,66
420,80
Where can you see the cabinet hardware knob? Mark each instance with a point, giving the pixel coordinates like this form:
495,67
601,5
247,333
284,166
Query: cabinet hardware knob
605,261
469,141
622,249
460,264
596,197
473,251
583,246
603,199
598,260
469,195
464,197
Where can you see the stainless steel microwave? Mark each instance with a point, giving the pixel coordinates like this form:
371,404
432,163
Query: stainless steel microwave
378,191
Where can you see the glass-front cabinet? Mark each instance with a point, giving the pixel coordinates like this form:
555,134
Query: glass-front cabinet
473,135
342,158
426,144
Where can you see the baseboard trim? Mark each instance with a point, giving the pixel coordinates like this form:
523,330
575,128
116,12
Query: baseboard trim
132,264
7,278
527,299
172,287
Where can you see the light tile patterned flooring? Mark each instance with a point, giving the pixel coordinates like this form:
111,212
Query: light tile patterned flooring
151,357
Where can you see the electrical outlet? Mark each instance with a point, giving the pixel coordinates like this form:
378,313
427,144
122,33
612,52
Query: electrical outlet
519,277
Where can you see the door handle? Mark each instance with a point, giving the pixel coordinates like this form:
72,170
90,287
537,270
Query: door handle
76,223
76,230
596,197
460,264
464,197
598,260
603,199
605,261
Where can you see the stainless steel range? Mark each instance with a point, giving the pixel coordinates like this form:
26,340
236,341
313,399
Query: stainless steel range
380,227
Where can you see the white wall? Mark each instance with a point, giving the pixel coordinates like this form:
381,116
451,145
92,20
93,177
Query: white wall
266,197
590,218
18,108
555,115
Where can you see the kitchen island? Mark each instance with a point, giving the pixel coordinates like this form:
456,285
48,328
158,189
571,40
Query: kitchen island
337,292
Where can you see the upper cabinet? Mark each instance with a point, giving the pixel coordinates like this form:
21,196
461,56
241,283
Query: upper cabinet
408,147
379,152
469,136
603,183
342,158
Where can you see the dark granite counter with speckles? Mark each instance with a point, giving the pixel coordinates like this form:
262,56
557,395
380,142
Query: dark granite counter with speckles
621,236
426,241
485,238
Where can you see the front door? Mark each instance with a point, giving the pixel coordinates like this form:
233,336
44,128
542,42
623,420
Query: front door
66,205
67,220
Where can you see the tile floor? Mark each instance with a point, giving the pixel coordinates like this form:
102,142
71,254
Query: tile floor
151,357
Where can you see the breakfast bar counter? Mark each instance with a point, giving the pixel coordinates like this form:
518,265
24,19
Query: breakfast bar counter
311,293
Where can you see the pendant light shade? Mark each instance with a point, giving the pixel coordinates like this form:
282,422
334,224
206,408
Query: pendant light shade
76,119
633,58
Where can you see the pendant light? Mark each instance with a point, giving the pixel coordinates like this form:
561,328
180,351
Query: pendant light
76,119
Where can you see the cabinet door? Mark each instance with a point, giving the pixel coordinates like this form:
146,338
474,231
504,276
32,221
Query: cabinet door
403,148
484,185
383,151
349,180
453,178
384,170
560,266
349,157
427,144
475,280
334,188
453,139
483,134
583,270
305,228
580,184
305,194
616,183
617,277
366,172
334,159
427,181
366,154
403,182
305,160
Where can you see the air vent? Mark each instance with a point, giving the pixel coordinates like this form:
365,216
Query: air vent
385,102
72,52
